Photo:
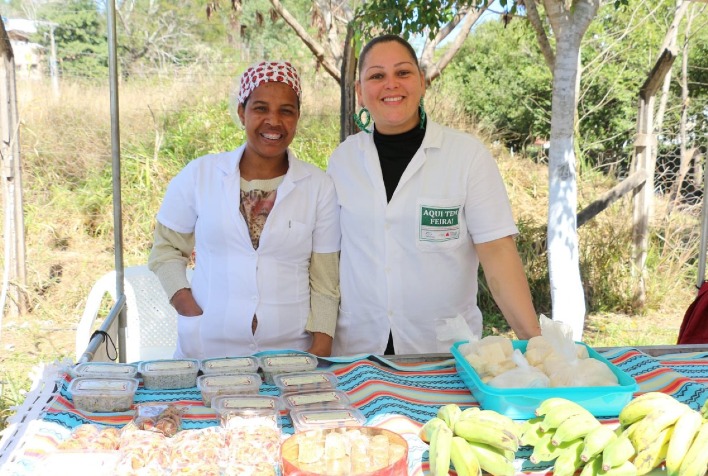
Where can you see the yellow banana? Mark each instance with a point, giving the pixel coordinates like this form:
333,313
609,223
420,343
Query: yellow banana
491,434
549,403
463,458
593,466
531,431
492,418
569,459
596,441
494,461
559,413
646,429
449,414
426,431
468,412
695,463
545,450
617,452
639,407
575,427
439,451
625,469
650,456
685,430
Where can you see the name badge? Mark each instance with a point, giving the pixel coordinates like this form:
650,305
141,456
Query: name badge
439,224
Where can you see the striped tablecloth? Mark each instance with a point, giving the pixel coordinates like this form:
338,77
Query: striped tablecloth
396,396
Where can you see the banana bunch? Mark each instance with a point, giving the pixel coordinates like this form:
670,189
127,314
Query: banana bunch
567,434
473,440
704,410
662,429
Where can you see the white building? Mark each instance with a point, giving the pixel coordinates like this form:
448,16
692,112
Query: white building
28,56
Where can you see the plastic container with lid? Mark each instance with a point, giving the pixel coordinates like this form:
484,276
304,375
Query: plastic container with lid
229,403
235,411
355,451
229,365
521,403
103,395
227,384
106,369
169,373
305,381
327,398
316,419
287,362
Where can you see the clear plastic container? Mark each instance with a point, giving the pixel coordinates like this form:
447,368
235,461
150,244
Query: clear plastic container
318,399
227,384
235,411
103,395
105,369
355,451
316,419
169,373
229,403
305,381
276,364
229,365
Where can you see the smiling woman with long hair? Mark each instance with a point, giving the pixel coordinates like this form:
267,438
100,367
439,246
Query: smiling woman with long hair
265,227
422,206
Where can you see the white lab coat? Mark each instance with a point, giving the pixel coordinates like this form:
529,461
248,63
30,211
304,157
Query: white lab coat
409,262
231,280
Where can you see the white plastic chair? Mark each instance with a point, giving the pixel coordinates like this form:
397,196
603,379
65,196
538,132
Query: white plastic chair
151,321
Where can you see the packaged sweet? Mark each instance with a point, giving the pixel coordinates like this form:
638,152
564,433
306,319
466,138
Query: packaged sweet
103,395
169,373
162,418
305,381
212,385
287,362
91,437
229,365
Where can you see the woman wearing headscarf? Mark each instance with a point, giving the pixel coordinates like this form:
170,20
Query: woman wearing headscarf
265,229
422,206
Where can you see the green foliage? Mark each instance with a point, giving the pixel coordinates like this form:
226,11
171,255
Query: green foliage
516,101
80,38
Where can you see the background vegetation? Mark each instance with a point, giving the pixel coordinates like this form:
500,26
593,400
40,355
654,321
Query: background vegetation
178,67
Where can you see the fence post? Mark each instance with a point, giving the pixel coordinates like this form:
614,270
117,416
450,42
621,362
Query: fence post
645,160
14,226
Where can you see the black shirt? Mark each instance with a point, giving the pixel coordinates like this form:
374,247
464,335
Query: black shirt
395,153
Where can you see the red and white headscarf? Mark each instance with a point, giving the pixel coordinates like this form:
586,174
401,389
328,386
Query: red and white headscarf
268,71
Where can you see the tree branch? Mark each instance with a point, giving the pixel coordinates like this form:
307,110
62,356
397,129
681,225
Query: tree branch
310,42
470,18
541,36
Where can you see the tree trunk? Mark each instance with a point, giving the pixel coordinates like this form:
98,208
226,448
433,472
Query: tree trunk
569,26
346,87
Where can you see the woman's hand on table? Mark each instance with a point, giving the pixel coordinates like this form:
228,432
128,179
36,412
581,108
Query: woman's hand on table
321,344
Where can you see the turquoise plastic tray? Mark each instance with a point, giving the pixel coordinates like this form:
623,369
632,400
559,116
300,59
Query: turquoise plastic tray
521,403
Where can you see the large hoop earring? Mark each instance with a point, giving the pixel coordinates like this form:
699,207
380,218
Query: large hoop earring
421,108
359,121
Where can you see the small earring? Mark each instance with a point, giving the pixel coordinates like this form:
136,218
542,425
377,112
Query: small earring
421,108
359,121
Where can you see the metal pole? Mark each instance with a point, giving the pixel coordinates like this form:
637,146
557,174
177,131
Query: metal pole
53,70
115,153
704,231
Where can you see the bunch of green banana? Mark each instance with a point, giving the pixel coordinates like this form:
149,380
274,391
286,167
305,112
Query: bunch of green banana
704,410
662,429
566,433
473,440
